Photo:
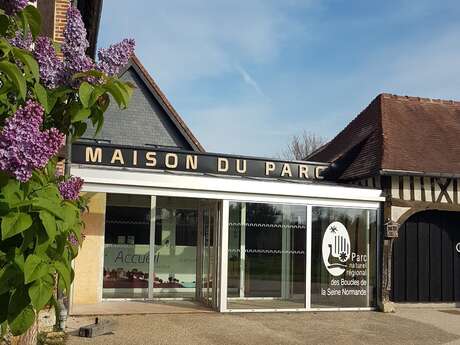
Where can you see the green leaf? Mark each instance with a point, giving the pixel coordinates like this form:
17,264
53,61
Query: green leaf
92,73
97,92
21,314
34,19
71,214
28,239
5,46
16,77
79,130
40,292
12,192
128,89
10,276
81,114
49,223
15,223
28,60
118,94
43,242
48,205
34,268
42,96
64,274
4,301
4,24
85,92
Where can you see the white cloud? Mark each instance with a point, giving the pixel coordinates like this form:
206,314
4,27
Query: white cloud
183,41
248,79
249,128
189,45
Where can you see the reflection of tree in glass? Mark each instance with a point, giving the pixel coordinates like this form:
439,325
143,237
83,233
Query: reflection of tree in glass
264,214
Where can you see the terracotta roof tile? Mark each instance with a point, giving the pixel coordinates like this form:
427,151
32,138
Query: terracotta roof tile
397,133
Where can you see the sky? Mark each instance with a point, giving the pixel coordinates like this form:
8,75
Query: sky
247,75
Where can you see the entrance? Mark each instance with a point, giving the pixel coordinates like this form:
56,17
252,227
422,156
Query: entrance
426,258
207,263
160,248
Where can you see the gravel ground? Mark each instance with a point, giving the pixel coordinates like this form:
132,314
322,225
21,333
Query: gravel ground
268,328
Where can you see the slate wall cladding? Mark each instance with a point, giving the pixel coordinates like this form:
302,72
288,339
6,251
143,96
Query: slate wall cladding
143,123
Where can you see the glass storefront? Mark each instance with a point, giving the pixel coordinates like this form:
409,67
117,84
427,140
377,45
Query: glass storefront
266,256
159,247
279,256
343,257
126,247
175,263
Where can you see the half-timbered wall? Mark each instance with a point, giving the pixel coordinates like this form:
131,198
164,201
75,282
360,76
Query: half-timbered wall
372,182
425,189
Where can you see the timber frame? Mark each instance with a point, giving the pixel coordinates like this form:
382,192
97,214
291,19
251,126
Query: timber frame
405,195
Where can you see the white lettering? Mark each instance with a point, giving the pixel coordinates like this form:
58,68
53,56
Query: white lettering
269,167
151,160
117,156
171,164
222,164
134,157
93,155
303,171
286,170
191,162
239,168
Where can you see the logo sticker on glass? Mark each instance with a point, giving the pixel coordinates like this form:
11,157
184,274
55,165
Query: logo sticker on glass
336,248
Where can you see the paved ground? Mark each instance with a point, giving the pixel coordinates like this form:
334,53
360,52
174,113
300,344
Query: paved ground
407,327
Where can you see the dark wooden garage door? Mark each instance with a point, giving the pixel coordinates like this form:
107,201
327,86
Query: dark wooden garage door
426,264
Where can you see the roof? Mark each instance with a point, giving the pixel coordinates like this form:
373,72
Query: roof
396,134
164,102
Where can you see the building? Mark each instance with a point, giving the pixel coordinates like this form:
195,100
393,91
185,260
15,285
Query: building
168,220
408,147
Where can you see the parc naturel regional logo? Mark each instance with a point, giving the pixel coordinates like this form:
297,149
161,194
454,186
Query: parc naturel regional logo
336,248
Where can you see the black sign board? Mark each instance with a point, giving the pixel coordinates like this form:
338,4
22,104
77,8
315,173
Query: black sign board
190,161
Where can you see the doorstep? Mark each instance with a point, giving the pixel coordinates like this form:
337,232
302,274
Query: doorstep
139,307
400,306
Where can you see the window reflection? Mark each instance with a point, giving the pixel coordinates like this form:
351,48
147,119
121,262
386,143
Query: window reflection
126,249
343,257
266,256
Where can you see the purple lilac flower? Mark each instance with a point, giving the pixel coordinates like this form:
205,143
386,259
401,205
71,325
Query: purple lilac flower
75,43
52,72
70,189
73,239
116,56
12,7
23,146
22,42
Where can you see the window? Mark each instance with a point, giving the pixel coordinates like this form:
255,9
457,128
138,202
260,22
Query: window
266,256
343,257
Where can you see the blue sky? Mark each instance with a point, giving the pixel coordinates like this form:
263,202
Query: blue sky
246,75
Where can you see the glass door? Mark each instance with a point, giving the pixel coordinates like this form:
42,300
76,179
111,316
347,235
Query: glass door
208,222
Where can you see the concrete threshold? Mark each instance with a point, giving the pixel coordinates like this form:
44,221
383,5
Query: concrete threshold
400,306
138,307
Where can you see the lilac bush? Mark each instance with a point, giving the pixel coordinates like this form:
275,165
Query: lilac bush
55,72
12,7
24,147
113,58
51,67
70,189
22,42
75,44
45,98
